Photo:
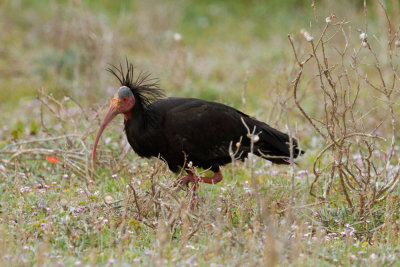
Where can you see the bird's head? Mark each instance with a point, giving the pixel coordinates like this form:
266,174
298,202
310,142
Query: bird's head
122,103
141,91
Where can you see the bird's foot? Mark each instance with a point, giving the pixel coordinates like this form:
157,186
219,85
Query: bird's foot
194,200
194,180
185,180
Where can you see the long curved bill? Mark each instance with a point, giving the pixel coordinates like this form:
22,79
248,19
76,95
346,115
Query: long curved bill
112,112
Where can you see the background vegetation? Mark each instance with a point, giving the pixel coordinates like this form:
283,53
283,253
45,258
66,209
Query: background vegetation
55,210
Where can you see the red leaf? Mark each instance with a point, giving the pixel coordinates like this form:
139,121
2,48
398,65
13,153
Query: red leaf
52,159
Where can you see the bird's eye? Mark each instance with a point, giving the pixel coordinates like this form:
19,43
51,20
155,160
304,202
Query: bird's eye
125,99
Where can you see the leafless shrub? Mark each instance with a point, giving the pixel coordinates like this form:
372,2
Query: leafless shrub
62,139
356,161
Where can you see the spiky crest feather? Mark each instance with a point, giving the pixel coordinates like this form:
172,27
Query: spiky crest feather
145,89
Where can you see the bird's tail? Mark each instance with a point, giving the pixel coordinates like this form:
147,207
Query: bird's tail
274,145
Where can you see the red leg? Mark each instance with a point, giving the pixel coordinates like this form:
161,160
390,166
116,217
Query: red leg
195,186
184,180
216,178
192,178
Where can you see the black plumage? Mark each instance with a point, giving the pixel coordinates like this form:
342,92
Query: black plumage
183,130
188,129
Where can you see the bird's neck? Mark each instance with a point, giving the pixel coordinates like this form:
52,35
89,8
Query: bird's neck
135,128
128,115
135,117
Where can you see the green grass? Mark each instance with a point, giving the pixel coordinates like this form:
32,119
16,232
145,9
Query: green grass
66,214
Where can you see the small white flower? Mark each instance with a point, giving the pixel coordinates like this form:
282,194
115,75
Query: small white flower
363,36
255,138
177,37
309,38
328,20
307,35
364,44
24,189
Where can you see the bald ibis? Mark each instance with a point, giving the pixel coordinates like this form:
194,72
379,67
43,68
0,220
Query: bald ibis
184,131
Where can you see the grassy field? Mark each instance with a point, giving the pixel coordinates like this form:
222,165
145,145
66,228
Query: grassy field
334,86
